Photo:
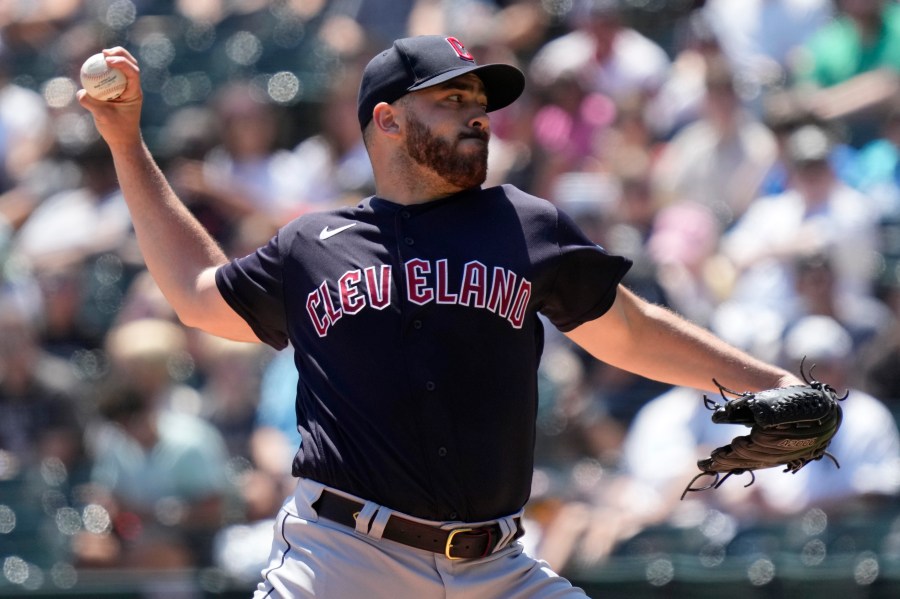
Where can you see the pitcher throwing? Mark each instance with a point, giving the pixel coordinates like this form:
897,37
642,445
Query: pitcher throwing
414,318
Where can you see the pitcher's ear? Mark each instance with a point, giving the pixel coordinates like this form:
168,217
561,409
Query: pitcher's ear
384,118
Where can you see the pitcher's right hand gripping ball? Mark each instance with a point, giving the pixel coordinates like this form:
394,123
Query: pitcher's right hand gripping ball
789,426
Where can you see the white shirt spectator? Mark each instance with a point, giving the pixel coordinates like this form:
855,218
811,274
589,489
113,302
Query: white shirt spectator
777,229
72,224
636,65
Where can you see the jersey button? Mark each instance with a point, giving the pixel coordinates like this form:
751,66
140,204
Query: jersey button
452,516
409,241
417,324
405,214
430,386
442,452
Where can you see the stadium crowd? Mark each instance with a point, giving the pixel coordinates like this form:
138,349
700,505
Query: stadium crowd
745,155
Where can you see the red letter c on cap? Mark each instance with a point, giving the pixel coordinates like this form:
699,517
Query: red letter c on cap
460,49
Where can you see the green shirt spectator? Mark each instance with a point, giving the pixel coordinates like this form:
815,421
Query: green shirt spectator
841,49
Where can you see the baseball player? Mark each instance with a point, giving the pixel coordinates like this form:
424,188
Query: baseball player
414,319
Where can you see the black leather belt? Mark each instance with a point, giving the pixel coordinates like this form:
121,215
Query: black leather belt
454,543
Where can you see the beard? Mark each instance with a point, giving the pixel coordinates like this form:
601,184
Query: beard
461,169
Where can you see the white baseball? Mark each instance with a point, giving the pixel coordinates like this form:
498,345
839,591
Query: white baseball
101,81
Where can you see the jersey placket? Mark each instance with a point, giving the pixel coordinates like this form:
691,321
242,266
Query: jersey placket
428,392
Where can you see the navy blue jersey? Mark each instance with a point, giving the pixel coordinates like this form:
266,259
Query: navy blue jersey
417,340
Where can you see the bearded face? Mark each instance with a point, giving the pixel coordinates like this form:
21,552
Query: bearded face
462,167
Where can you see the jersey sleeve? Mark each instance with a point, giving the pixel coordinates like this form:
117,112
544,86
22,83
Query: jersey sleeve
586,278
253,287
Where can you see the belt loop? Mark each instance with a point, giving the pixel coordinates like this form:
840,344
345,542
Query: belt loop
508,530
380,522
365,516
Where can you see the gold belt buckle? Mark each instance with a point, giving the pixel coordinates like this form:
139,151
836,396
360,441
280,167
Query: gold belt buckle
449,544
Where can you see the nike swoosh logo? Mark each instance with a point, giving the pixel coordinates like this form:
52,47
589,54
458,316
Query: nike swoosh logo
326,232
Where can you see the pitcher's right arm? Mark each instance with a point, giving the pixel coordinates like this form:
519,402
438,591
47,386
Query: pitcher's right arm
180,254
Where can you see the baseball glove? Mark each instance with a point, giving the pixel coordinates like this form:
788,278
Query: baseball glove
789,426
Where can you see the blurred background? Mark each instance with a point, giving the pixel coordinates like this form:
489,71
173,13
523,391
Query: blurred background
746,156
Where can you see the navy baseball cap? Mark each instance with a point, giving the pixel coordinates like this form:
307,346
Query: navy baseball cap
423,61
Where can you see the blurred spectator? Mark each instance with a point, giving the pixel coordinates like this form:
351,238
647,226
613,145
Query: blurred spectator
603,53
862,38
383,22
76,240
879,360
520,25
863,316
761,37
332,167
720,159
153,356
853,64
637,206
876,168
681,96
630,222
74,224
188,135
50,174
684,244
143,299
567,131
275,436
159,472
276,409
25,131
785,111
40,413
43,412
818,213
39,140
30,29
576,443
229,391
628,149
264,485
591,199
65,331
249,172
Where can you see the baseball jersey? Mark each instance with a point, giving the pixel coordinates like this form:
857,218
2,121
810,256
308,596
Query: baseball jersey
417,340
